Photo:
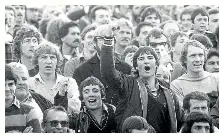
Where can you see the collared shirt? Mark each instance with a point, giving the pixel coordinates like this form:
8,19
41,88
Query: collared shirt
9,52
39,86
18,116
103,117
30,101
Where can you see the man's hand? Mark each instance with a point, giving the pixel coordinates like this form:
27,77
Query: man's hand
62,86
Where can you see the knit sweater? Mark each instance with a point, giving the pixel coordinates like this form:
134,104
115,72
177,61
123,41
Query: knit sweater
184,84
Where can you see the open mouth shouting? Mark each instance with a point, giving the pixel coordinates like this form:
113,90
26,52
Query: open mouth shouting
147,68
92,101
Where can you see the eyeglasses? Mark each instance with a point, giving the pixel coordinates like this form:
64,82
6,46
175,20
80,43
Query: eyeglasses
154,45
54,123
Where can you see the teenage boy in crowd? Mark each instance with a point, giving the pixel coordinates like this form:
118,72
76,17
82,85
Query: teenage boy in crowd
95,116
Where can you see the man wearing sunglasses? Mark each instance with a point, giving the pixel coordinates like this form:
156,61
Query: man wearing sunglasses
159,42
56,120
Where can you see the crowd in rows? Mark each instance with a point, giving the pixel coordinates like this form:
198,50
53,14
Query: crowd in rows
111,69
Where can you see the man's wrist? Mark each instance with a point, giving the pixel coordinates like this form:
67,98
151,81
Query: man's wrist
108,41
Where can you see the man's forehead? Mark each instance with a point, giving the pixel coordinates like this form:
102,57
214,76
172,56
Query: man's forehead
56,114
91,86
148,53
197,101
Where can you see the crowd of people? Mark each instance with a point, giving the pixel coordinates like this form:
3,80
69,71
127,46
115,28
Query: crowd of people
111,69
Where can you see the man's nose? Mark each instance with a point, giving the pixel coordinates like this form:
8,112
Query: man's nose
203,130
48,60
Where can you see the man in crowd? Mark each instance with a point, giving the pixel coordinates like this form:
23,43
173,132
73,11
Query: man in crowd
49,83
143,95
197,122
196,79
20,15
100,15
213,19
10,15
142,30
25,42
197,102
19,117
212,61
70,37
88,52
185,19
151,15
123,36
56,120
32,15
95,116
92,67
200,19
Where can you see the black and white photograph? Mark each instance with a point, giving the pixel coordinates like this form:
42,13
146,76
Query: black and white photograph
111,68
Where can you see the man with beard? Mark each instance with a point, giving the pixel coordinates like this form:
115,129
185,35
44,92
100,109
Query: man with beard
95,115
141,95
92,67
200,19
56,120
69,35
89,51
25,42
212,62
123,36
196,79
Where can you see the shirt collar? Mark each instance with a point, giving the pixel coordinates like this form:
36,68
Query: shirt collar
27,98
38,78
16,102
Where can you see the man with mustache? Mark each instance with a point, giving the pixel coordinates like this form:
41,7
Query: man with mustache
123,36
196,79
20,14
212,62
200,20
25,42
69,35
141,95
88,51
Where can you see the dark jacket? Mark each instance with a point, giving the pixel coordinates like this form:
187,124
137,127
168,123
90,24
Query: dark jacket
84,122
128,90
92,68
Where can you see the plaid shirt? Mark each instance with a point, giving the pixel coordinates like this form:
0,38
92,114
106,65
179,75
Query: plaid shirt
9,50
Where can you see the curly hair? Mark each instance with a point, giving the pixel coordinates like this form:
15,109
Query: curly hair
91,81
47,48
196,117
202,39
24,32
183,57
128,49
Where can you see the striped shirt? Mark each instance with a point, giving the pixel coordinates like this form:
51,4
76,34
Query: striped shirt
19,116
